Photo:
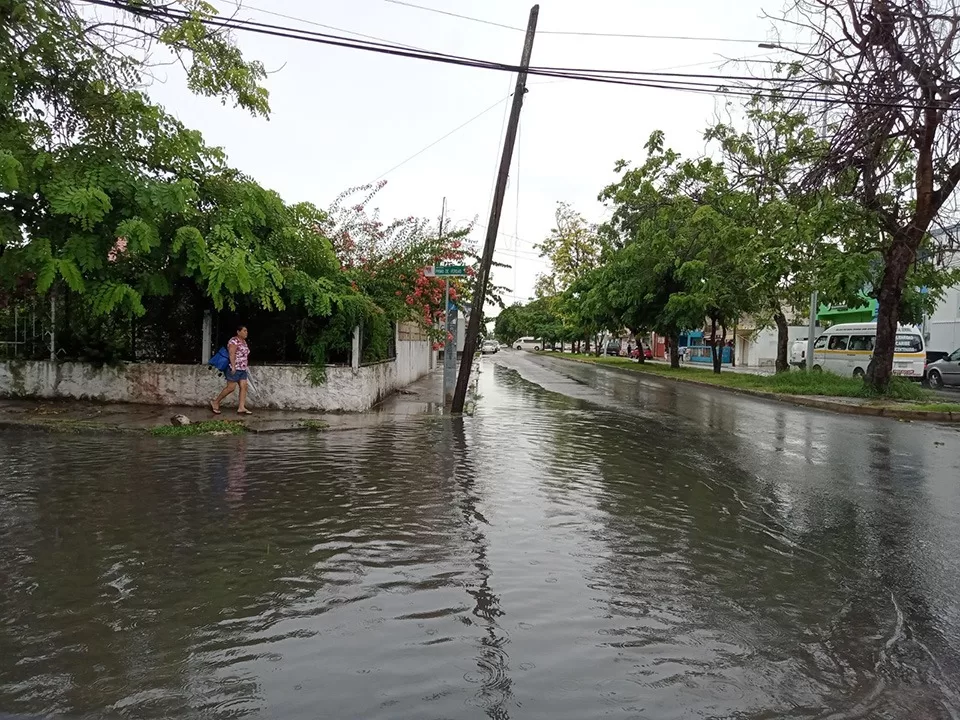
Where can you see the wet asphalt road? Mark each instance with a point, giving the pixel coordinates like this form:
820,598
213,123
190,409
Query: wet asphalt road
591,544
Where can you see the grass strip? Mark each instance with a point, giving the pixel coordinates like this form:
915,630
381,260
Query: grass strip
206,427
790,383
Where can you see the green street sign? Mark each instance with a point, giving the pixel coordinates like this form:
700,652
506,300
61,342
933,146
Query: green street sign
449,270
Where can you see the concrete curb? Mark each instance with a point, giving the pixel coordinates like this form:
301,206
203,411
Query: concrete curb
811,401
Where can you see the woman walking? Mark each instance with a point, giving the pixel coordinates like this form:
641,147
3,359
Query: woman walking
237,373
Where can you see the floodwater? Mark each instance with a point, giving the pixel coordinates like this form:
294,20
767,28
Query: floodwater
589,545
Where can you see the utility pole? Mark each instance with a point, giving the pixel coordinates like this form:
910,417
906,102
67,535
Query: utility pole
814,304
483,277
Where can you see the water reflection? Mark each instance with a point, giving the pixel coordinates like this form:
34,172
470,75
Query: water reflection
493,676
568,554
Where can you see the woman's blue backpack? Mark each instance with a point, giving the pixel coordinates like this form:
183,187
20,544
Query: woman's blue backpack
220,360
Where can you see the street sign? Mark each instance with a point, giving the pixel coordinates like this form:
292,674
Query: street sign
449,270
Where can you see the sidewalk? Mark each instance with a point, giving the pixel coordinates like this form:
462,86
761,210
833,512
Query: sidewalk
424,397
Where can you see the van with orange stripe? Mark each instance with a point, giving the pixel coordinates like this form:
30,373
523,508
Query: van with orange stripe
846,349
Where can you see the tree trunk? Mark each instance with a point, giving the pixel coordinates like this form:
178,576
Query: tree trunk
640,358
674,340
783,340
896,265
733,350
714,355
723,345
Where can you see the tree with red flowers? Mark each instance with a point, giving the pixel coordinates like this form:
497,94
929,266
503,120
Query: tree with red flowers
388,262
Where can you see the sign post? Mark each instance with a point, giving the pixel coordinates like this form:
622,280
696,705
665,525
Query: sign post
450,326
449,350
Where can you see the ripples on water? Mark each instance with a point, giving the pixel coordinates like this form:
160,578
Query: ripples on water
548,559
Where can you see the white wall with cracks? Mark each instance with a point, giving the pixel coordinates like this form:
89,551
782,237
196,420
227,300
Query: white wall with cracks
274,386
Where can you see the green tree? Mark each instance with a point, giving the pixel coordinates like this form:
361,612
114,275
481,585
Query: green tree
683,254
892,71
573,248
91,172
509,325
800,234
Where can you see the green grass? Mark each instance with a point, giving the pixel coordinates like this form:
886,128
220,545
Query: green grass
200,428
934,407
791,383
314,425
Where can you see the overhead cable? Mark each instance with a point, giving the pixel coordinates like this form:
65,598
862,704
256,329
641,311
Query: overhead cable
662,81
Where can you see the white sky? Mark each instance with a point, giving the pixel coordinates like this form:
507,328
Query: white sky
343,117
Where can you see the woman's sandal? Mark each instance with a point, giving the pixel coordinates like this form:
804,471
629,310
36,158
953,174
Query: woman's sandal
244,412
214,408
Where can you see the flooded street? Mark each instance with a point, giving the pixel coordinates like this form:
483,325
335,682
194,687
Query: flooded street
590,544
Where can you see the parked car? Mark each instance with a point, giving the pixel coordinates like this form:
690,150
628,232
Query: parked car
647,353
489,346
945,371
612,347
934,355
798,354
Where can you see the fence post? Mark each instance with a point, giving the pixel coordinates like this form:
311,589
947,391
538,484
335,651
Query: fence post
355,354
53,327
207,335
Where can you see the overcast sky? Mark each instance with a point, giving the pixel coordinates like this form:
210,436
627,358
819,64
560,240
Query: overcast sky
343,117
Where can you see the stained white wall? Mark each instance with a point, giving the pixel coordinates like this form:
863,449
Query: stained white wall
944,323
276,386
761,350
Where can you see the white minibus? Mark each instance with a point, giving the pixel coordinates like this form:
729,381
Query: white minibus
529,343
846,349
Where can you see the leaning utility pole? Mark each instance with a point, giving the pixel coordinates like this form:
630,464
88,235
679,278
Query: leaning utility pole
483,277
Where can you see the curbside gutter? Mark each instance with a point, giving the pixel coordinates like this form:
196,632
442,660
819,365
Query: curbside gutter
817,402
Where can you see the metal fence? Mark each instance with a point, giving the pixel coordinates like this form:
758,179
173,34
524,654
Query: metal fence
171,331
27,329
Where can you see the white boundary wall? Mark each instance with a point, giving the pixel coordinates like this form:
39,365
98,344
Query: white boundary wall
277,386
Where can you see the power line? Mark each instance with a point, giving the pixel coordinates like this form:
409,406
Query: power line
575,33
242,6
439,140
614,77
456,15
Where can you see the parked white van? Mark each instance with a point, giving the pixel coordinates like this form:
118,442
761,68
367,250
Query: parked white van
846,349
528,343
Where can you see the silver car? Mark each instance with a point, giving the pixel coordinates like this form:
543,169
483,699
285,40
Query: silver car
945,371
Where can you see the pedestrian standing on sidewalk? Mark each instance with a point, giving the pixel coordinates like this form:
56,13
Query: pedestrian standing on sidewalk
237,372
